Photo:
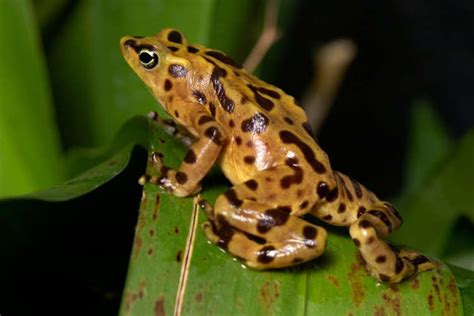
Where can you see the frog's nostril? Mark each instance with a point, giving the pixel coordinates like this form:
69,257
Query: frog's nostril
130,44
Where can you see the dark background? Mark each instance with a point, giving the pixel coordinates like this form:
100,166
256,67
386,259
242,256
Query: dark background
406,50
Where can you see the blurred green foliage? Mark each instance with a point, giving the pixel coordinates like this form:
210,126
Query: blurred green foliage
95,95
30,148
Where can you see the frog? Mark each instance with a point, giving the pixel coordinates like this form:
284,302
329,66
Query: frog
260,138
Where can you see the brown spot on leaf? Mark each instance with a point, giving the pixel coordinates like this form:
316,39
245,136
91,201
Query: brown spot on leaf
129,298
156,208
198,297
333,280
137,246
434,281
269,294
379,311
430,302
392,300
355,279
160,307
179,255
141,289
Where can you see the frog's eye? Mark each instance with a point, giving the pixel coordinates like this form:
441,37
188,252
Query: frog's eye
148,58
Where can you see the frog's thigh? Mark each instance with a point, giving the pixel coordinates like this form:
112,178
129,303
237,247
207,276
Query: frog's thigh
388,263
262,254
283,239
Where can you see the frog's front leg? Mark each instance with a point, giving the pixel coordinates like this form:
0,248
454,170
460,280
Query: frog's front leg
198,160
254,224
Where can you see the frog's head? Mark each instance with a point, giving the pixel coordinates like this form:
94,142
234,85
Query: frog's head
162,62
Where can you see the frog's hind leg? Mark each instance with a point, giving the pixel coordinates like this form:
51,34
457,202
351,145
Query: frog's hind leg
387,262
370,221
260,254
260,230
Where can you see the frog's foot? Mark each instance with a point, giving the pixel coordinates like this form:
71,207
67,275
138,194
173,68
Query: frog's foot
421,262
388,263
172,181
208,209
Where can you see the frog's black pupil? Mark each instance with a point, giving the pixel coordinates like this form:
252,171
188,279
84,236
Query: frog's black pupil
145,58
148,59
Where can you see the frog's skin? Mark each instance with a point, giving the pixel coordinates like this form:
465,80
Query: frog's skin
260,138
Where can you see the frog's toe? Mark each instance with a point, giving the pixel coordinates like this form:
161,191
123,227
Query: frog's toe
157,160
209,231
421,262
208,209
152,115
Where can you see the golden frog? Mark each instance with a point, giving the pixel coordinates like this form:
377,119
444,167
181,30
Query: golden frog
260,138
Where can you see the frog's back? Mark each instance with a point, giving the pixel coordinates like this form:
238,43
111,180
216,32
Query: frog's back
265,125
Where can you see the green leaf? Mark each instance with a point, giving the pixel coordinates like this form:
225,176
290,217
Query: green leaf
92,81
30,158
95,167
48,10
431,213
335,284
429,145
465,282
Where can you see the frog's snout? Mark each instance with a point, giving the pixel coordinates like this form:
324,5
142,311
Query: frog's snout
128,42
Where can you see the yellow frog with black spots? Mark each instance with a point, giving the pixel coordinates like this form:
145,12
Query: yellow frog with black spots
260,138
